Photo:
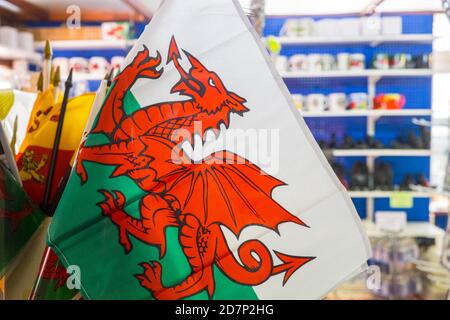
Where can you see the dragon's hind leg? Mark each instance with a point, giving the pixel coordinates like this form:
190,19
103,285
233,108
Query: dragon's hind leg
157,213
198,243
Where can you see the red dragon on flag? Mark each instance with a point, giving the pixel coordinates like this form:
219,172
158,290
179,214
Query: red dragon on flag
223,190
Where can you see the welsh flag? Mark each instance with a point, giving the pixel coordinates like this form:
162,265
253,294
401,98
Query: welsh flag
19,220
200,180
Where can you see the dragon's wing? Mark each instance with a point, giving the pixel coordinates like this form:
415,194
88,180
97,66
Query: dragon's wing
229,190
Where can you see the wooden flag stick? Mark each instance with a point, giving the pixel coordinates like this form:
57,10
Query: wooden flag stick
99,97
56,143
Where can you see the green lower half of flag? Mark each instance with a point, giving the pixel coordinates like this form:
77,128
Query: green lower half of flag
84,237
90,241
19,220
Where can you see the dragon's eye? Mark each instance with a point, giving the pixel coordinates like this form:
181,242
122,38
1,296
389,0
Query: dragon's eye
211,82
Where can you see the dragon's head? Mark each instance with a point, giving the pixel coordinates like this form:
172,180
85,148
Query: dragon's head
205,87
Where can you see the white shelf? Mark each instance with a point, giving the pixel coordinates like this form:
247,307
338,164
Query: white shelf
381,153
358,73
375,39
18,54
86,77
386,194
413,229
86,44
367,113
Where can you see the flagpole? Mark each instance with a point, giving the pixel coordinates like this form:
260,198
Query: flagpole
47,65
51,173
99,97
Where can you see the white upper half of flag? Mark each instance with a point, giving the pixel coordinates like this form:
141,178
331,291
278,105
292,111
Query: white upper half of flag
218,34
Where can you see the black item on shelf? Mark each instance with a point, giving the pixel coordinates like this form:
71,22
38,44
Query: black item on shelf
333,142
421,61
407,181
339,170
383,177
413,141
400,143
348,142
373,143
422,181
359,177
425,136
361,144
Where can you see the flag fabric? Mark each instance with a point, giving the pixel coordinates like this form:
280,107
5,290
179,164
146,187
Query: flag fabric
51,280
15,111
2,288
33,160
19,220
174,220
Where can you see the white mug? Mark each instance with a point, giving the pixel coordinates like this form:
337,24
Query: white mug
315,62
79,64
117,63
98,65
299,62
315,102
63,64
337,101
343,61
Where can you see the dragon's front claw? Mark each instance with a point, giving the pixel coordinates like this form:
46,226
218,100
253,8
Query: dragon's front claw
113,207
151,278
81,171
145,66
114,202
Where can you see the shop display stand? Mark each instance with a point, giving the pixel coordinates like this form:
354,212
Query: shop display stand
417,38
372,40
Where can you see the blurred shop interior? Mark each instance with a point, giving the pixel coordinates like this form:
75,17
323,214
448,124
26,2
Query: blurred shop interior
370,77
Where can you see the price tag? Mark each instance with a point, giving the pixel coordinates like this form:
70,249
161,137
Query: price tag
401,200
390,221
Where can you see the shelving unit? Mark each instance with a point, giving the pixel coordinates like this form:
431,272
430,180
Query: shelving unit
381,153
18,54
386,194
87,44
373,40
367,73
417,38
367,113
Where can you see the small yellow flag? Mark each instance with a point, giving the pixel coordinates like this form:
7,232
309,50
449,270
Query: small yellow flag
6,102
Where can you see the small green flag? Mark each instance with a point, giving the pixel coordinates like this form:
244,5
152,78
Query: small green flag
52,282
19,219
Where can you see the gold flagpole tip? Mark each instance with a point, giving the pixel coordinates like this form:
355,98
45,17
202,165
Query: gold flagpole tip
40,83
57,77
48,52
